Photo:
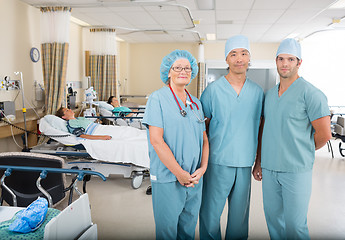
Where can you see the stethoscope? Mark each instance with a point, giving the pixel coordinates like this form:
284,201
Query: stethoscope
190,103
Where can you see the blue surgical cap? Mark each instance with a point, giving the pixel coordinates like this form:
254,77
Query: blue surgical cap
290,46
238,41
169,60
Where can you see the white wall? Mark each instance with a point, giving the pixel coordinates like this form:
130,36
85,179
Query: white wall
323,64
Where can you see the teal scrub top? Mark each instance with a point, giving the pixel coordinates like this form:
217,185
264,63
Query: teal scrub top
288,136
235,119
183,135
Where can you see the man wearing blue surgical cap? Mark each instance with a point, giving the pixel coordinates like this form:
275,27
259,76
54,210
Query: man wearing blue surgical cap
296,123
178,148
232,105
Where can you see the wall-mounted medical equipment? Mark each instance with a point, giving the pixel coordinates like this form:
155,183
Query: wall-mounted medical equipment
7,108
8,84
90,95
39,91
71,98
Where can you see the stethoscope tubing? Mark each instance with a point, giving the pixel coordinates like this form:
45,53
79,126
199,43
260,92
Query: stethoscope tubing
190,103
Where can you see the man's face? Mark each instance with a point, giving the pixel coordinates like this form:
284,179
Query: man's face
238,60
287,65
68,113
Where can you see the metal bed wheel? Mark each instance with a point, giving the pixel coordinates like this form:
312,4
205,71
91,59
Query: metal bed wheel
341,150
137,180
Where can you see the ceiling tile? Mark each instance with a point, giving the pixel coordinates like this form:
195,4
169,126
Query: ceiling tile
228,15
272,4
314,4
233,4
224,31
264,16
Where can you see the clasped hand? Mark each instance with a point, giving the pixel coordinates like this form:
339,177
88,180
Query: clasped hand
189,180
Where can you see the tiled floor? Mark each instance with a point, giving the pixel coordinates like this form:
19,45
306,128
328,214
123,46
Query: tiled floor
123,213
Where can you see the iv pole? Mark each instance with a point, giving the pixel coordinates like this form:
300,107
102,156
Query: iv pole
26,148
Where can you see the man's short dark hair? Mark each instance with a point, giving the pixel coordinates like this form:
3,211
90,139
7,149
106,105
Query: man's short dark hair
60,113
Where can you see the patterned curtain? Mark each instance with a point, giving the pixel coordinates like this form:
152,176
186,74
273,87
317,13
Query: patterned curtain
102,62
54,60
103,77
55,36
200,79
202,72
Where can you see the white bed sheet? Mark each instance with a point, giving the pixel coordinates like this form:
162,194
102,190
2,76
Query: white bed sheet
128,144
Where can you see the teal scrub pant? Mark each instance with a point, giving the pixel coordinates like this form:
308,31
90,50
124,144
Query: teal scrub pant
176,209
286,198
221,183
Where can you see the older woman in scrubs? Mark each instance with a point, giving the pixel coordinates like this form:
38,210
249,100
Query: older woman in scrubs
178,148
296,124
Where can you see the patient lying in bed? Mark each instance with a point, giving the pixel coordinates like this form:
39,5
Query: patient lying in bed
115,143
78,126
119,109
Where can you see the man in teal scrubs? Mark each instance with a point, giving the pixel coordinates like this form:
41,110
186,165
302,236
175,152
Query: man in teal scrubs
296,124
232,105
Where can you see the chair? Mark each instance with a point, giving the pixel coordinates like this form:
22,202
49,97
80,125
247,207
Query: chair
23,183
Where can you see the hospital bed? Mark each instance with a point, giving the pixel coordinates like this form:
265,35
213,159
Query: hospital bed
106,112
127,157
74,222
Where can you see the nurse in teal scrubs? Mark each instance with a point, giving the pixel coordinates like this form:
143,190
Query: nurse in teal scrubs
178,148
296,124
232,105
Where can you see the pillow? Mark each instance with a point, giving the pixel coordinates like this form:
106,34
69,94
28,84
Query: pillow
105,105
56,122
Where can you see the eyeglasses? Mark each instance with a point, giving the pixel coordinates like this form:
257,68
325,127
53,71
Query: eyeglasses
179,69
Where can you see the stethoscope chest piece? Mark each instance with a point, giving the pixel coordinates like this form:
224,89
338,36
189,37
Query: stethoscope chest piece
183,113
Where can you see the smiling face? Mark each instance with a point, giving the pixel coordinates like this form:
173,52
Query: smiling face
182,77
238,60
287,66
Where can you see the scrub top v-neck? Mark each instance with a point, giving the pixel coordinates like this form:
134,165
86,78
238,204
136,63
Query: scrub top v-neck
234,125
288,136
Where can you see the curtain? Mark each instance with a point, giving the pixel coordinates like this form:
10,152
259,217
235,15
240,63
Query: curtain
103,75
202,72
55,37
102,62
200,79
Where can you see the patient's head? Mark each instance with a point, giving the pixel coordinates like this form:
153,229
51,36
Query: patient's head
113,101
65,113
